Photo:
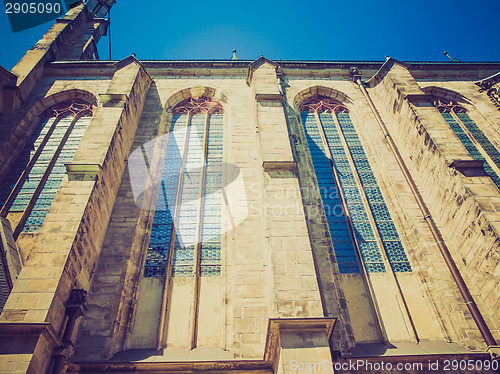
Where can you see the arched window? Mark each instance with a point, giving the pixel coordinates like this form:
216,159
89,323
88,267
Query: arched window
29,188
187,222
181,278
473,139
359,221
33,180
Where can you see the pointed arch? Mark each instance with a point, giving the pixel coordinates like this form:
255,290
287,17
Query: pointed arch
320,91
444,94
17,140
194,93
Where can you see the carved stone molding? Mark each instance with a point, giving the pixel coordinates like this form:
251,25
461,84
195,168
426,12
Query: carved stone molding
492,87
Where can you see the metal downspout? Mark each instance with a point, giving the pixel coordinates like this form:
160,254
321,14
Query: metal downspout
455,273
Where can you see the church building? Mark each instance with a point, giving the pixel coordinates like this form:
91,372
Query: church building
235,216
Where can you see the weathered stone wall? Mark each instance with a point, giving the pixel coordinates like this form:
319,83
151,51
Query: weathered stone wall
64,253
279,262
414,234
460,205
268,267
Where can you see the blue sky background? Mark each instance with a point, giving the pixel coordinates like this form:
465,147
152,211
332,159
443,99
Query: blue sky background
289,30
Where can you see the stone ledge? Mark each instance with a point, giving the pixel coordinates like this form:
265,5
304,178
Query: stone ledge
113,99
279,166
255,366
420,100
82,172
277,325
267,365
262,97
469,168
22,329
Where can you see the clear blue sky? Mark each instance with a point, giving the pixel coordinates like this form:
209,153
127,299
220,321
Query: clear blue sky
290,30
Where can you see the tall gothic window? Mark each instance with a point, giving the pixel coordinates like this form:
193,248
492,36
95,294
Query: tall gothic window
29,188
34,178
360,225
473,139
186,235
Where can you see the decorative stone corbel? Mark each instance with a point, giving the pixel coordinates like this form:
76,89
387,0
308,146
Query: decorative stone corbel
492,87
75,308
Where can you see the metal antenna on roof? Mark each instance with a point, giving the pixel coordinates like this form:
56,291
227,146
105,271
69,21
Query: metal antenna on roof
452,59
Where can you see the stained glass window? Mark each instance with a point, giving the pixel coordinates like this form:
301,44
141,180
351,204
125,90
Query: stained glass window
187,220
35,176
347,185
473,139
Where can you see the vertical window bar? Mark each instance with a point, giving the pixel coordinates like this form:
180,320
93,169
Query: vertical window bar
383,227
341,195
28,168
367,255
372,221
170,256
197,255
339,227
43,203
375,311
44,178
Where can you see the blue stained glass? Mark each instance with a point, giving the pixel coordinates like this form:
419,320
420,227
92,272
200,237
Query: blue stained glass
339,231
363,231
22,161
380,268
51,185
369,249
380,212
184,250
341,164
479,136
374,195
179,270
386,228
352,195
357,212
346,178
163,221
210,270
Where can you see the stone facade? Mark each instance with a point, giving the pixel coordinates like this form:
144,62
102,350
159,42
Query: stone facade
81,302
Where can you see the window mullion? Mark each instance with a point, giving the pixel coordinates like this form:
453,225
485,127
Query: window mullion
479,147
44,178
376,232
27,169
173,236
341,195
197,254
364,199
373,305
